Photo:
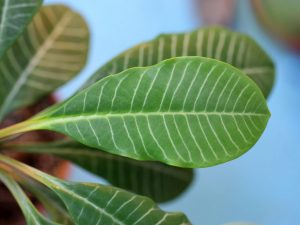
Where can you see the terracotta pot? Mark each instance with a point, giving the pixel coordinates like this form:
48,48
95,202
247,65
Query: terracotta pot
10,212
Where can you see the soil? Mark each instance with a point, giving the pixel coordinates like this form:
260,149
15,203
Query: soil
10,213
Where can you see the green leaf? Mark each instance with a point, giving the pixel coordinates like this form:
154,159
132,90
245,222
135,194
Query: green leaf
219,43
99,204
187,112
50,52
53,205
14,16
31,214
280,20
96,204
155,180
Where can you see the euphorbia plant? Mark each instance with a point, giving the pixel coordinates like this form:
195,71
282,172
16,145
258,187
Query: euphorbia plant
187,100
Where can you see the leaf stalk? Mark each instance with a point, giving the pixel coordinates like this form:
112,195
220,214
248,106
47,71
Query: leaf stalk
16,129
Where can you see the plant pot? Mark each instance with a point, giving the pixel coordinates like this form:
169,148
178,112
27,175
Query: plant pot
10,212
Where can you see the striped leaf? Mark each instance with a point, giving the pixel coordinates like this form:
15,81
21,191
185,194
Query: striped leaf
187,112
14,17
31,214
155,180
98,204
219,43
50,52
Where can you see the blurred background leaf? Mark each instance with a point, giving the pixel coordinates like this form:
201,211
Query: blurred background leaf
14,16
158,181
234,48
51,51
281,19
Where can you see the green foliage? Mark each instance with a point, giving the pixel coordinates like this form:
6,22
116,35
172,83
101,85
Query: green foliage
14,16
187,112
49,53
280,19
98,204
90,203
52,204
158,181
186,100
32,216
234,48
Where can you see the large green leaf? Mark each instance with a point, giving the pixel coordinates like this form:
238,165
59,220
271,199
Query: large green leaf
99,204
155,180
50,52
31,214
188,112
14,16
214,42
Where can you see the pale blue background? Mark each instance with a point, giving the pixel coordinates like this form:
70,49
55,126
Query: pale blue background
263,186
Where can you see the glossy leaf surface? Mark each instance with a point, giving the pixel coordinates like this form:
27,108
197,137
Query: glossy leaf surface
14,16
188,112
234,48
49,53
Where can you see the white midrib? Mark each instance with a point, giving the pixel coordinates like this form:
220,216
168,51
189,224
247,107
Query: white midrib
3,18
60,26
46,121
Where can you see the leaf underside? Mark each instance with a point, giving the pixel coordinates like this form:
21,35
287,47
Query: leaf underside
219,43
50,52
14,16
187,112
158,181
98,204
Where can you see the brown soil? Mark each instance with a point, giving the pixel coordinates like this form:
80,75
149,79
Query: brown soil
10,213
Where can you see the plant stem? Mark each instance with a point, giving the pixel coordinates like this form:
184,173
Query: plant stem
16,191
16,129
10,166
